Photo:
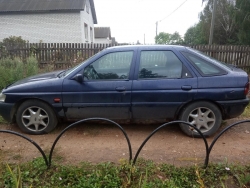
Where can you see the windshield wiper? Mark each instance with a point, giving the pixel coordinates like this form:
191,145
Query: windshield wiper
63,73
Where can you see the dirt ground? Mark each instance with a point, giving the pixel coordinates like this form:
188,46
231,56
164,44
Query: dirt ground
97,142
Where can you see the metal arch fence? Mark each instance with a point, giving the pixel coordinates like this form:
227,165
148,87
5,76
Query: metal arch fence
219,135
85,120
164,125
30,140
208,149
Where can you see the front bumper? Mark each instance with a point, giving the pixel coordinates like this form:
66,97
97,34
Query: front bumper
234,108
5,111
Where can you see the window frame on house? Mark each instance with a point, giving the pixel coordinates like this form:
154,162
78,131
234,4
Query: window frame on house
91,34
86,33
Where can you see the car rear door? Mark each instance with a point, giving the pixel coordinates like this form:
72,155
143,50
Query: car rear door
105,91
162,84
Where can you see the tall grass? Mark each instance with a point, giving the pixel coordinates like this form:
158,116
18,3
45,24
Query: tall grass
2,120
15,69
31,66
15,177
145,174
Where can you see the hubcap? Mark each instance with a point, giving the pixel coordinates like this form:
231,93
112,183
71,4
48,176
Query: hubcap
35,119
203,118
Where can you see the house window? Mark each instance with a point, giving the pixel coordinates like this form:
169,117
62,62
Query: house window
91,35
86,32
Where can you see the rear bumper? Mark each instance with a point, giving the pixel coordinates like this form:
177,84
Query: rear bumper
234,108
5,111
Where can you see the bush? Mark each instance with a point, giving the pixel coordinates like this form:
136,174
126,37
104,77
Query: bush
10,43
15,69
31,66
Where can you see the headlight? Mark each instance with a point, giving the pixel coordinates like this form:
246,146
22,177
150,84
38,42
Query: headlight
2,97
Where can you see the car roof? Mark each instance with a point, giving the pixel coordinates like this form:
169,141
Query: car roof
145,47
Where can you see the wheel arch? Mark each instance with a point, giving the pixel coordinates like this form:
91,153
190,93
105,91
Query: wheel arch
18,104
182,107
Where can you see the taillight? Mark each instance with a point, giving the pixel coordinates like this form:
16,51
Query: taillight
246,88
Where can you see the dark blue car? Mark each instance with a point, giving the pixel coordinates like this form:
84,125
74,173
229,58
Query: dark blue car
132,83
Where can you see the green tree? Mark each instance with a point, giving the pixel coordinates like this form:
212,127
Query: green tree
176,38
13,42
162,38
225,27
167,38
194,35
242,18
10,43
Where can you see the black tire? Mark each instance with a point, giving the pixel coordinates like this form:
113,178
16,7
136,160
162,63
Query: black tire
204,115
36,117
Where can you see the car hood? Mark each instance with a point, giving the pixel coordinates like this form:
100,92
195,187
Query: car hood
35,78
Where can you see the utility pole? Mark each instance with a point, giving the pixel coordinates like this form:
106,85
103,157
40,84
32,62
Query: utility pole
212,23
156,28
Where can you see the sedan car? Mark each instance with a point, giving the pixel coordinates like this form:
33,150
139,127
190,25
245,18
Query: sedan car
140,82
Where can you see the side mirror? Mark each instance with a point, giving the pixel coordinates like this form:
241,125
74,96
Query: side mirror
78,78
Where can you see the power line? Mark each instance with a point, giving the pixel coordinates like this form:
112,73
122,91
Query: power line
173,11
168,16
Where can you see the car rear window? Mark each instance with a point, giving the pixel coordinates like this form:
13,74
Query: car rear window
204,67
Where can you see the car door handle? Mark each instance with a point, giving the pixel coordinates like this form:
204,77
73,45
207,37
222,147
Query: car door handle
186,88
120,89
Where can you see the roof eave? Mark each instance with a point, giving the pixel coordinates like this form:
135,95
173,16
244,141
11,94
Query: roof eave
92,5
37,11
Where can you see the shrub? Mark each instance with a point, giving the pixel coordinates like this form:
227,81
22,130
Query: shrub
31,66
10,43
15,69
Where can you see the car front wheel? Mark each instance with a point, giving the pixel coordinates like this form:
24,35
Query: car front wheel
36,117
205,116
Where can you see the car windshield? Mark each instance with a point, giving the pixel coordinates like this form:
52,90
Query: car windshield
63,73
230,66
68,71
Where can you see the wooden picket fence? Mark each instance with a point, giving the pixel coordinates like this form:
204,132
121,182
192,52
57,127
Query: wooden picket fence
63,55
59,55
233,54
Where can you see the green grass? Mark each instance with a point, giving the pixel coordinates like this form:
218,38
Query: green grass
246,113
144,174
2,120
15,69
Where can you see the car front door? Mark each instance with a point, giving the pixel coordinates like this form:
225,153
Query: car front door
105,91
161,85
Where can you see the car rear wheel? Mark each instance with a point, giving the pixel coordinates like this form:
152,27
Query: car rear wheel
36,117
203,115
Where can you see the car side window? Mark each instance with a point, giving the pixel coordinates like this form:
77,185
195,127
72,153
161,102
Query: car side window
159,64
204,67
114,65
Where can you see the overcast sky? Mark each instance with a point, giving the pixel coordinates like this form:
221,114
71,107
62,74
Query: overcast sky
129,20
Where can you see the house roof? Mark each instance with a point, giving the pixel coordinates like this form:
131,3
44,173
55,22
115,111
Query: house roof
102,32
113,40
20,6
